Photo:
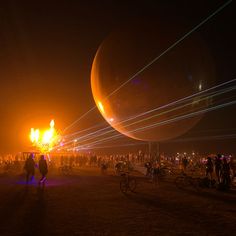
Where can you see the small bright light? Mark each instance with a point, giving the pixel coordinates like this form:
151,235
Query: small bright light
200,86
111,119
75,140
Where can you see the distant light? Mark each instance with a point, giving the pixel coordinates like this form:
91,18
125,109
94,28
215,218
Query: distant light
200,86
75,140
111,119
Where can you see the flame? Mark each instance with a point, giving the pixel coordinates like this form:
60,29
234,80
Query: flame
45,141
52,123
34,135
47,137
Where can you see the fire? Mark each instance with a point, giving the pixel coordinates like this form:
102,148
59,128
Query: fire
34,135
45,141
52,123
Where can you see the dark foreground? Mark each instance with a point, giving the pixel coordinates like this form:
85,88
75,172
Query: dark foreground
88,203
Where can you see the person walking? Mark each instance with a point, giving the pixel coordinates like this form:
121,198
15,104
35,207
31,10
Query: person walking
43,169
29,168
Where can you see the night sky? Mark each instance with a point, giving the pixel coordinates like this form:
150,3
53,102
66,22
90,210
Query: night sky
47,50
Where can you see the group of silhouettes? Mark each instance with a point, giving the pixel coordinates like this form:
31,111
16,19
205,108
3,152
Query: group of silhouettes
222,169
30,166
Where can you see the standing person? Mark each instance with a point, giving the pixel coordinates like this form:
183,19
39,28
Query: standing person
209,168
29,167
218,166
156,172
225,175
184,163
232,164
43,169
148,167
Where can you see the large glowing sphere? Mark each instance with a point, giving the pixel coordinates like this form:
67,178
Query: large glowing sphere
144,108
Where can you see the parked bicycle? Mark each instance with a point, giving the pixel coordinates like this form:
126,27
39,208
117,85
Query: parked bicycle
156,173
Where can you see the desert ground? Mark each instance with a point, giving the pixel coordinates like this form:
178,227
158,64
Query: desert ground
86,202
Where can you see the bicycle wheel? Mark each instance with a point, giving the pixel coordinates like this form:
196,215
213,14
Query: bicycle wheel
123,186
132,184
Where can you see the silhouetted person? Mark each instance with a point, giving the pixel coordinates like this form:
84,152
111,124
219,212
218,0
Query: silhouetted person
29,167
233,165
209,167
148,166
225,173
43,169
218,166
184,163
156,172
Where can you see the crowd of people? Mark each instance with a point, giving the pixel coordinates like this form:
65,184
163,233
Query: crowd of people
219,167
223,169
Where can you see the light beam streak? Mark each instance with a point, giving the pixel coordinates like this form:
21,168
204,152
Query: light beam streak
167,121
99,132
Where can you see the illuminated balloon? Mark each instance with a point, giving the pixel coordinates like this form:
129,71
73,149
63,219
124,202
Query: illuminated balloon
184,70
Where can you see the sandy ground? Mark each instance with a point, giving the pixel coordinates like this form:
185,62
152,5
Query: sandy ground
88,203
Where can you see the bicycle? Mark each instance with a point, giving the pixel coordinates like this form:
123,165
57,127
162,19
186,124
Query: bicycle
165,172
159,174
127,183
